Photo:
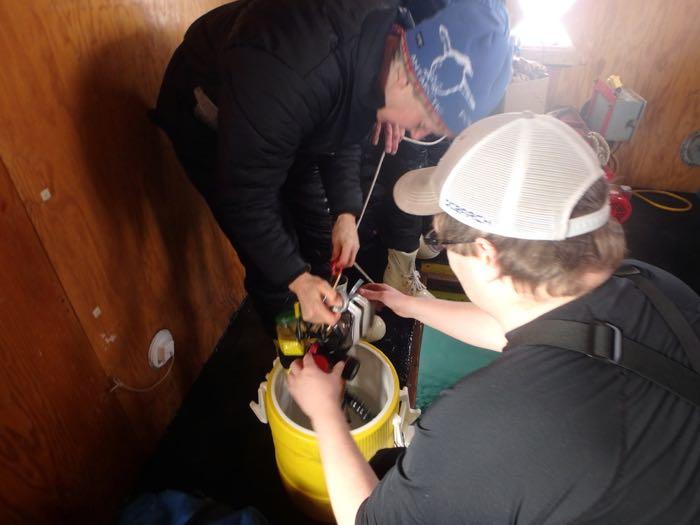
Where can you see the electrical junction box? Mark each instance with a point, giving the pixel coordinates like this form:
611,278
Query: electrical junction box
614,113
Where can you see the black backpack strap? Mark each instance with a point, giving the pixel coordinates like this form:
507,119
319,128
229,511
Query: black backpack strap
604,341
669,312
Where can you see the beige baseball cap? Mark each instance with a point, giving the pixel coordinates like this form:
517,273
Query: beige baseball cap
515,174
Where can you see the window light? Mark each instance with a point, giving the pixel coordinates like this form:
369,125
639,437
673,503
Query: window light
541,25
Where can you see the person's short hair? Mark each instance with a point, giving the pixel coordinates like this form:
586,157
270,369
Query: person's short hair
556,265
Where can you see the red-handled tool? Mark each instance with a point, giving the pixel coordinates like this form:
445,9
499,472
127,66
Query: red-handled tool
350,368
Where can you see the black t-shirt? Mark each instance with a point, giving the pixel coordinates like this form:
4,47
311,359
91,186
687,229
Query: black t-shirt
546,435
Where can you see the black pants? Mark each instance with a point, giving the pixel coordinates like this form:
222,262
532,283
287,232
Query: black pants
305,211
399,230
385,459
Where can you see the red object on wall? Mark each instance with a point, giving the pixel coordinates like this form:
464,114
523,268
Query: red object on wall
609,173
620,205
602,90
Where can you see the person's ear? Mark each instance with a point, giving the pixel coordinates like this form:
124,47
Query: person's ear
402,79
488,256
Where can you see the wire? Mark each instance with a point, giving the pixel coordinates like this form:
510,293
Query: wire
118,384
687,204
602,148
614,164
371,189
423,143
364,274
364,207
379,167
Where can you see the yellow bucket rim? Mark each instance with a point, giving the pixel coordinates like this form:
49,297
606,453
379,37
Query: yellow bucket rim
376,422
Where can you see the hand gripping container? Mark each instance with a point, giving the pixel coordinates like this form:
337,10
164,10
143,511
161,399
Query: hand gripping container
296,448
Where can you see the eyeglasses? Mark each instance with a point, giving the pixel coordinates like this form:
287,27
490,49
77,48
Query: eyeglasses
431,239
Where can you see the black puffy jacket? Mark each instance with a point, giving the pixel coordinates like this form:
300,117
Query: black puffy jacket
289,77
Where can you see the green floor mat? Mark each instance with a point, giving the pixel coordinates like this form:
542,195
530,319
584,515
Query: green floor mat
443,362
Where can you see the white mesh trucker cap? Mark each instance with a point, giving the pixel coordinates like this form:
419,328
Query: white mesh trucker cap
515,174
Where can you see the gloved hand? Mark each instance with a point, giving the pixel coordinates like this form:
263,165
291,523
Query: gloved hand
316,297
345,243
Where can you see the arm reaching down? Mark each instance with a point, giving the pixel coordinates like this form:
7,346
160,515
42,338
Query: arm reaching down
463,321
346,242
315,295
261,123
259,134
340,173
349,478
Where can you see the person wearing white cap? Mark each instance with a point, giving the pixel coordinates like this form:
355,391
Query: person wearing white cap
592,412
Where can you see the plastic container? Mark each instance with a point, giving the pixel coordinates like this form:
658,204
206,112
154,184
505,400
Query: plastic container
296,448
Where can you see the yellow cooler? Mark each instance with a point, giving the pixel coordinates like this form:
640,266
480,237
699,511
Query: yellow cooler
296,448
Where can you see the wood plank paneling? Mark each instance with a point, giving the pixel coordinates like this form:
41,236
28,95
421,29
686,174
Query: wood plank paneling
123,228
123,232
654,46
66,445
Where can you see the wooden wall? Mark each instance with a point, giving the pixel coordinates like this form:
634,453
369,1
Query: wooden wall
122,232
654,45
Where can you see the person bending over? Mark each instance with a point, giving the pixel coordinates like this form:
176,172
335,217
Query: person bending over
578,420
267,101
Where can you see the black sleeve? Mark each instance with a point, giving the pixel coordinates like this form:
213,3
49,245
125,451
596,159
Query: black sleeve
341,180
262,119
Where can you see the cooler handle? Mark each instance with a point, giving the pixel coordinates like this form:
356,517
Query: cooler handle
259,407
404,419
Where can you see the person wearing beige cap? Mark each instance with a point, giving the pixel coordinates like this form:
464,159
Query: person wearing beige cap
592,412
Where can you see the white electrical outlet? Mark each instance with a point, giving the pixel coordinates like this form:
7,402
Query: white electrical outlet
162,348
